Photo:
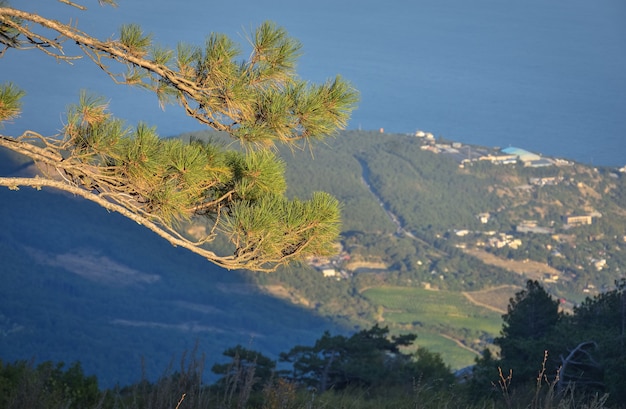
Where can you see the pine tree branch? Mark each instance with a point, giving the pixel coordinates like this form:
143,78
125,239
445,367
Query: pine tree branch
156,183
304,112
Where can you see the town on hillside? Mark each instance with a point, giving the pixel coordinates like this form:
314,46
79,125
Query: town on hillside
486,242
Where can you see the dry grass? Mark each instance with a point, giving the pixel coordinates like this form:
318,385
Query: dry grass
496,298
184,389
531,269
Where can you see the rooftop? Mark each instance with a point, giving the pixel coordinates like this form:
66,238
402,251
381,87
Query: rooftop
523,154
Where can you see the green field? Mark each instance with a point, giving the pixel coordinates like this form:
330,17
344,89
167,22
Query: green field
442,320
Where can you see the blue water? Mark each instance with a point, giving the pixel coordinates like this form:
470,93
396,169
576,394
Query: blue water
545,75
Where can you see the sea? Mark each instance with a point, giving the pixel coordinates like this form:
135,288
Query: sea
548,76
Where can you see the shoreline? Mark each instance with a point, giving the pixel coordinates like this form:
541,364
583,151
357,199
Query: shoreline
457,144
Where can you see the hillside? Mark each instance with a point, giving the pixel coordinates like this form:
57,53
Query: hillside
79,283
432,196
433,243
432,215
429,215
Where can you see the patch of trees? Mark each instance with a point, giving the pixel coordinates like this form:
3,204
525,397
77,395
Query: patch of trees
47,385
368,359
426,191
584,351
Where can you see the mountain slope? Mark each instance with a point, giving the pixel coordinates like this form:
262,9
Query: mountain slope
79,283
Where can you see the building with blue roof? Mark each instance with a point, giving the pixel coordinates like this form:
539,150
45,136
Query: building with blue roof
521,154
528,158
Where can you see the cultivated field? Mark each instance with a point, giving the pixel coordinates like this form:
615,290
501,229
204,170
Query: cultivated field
445,322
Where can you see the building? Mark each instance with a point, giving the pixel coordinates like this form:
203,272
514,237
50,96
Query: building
529,159
329,272
483,217
550,278
545,181
539,163
578,220
500,159
521,154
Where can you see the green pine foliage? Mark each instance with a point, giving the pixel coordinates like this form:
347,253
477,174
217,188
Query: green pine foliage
528,324
583,351
237,196
10,101
47,385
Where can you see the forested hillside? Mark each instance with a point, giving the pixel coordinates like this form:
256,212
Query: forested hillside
438,203
422,215
426,193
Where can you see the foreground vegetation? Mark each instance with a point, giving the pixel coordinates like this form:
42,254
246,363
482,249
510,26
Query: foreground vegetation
48,386
545,359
